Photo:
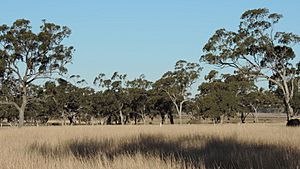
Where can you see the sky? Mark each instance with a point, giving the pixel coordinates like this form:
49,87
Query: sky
141,37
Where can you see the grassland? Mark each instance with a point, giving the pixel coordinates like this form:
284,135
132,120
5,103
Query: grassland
188,146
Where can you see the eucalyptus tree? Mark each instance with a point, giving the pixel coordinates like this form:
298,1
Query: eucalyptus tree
259,99
244,89
177,83
67,98
250,98
138,95
159,104
250,104
296,103
26,56
257,50
83,95
216,100
9,113
106,107
9,92
41,109
115,92
225,96
53,98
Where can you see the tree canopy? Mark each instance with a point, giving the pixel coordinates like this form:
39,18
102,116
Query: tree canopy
26,56
33,81
177,84
257,50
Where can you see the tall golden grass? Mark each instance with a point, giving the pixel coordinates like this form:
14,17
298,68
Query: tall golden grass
187,146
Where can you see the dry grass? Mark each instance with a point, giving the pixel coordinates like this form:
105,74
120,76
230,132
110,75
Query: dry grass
188,146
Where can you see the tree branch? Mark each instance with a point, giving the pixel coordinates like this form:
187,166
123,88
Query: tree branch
10,103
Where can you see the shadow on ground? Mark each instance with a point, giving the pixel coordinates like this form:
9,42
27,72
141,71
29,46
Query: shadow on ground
191,151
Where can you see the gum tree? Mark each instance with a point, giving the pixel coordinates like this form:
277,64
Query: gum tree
114,93
259,51
26,57
138,96
177,83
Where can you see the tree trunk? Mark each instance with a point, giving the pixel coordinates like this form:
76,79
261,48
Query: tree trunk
63,118
135,118
126,120
179,110
121,117
243,117
171,118
289,110
162,118
222,118
143,113
22,110
255,120
180,117
288,94
143,118
21,117
23,106
108,121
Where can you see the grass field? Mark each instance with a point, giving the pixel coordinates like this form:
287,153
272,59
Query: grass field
188,146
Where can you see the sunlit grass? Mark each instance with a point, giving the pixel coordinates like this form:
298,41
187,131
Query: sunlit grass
188,146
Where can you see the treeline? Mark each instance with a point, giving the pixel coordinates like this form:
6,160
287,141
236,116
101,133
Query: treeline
118,100
256,51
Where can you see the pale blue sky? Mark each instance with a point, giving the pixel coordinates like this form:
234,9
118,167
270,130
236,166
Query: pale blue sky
136,36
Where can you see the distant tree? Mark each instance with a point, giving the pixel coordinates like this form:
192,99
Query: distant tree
244,90
38,110
225,96
114,92
250,103
66,99
82,95
258,51
216,100
26,56
138,95
159,103
53,98
258,99
177,84
9,113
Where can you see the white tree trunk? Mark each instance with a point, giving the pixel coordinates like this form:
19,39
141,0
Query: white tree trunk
121,117
23,106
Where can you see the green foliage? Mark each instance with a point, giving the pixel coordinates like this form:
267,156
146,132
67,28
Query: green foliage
176,84
114,91
218,98
26,56
161,105
227,96
257,51
138,95
254,51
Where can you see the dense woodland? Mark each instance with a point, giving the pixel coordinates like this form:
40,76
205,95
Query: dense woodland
35,89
